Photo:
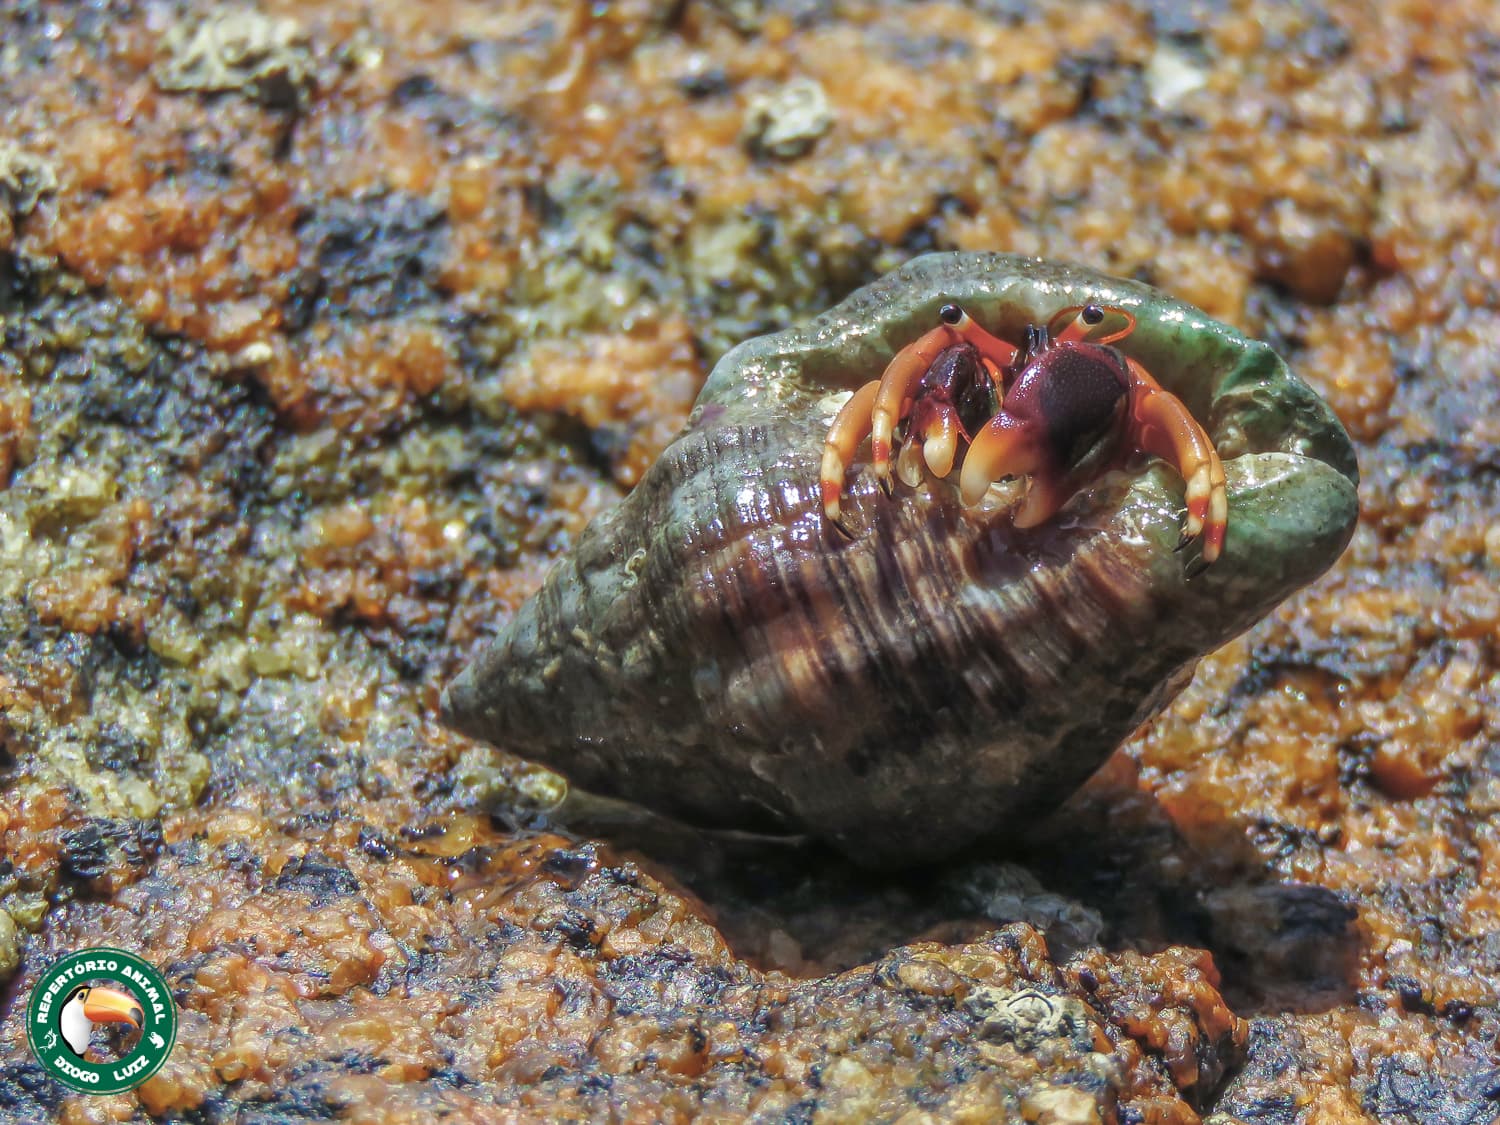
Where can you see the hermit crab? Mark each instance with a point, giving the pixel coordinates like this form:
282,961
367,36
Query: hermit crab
1070,401
920,675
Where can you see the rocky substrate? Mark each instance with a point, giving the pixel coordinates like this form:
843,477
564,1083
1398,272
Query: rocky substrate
323,330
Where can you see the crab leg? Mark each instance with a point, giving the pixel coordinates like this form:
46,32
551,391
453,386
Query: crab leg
899,383
896,387
1162,426
848,430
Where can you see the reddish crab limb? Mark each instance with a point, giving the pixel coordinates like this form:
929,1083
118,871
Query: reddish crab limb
895,391
940,439
848,430
957,393
1161,425
933,430
898,385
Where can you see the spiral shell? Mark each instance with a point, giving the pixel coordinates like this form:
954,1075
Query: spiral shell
715,650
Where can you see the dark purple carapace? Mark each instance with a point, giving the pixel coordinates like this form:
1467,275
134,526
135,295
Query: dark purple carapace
957,379
1074,394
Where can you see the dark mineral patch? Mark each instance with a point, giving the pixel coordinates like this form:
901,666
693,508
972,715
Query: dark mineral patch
91,850
313,875
372,258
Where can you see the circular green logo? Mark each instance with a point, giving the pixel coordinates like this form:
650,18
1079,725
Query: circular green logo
101,1020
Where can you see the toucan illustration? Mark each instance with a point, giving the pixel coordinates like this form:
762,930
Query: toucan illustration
87,1006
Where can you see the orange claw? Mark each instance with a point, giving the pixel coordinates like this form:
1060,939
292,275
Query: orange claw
1162,426
1005,447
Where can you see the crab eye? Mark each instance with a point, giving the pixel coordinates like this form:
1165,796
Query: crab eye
950,314
1096,324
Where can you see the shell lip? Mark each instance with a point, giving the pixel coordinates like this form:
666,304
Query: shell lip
1237,386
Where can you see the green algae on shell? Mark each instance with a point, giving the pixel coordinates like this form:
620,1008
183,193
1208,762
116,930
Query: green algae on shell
715,650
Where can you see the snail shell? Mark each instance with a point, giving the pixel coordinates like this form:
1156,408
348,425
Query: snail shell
715,650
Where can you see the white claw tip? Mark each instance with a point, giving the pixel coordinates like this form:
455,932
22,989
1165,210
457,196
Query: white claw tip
908,466
939,451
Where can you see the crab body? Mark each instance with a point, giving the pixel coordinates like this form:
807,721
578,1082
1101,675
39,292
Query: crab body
1060,420
954,398
1073,398
1073,405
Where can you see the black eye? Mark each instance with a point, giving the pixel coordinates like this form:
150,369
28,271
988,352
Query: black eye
1092,314
950,314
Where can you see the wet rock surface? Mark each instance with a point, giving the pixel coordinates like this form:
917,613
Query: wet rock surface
323,333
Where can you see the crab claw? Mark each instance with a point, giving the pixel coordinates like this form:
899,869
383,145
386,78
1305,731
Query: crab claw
934,428
931,440
1006,447
1060,418
909,464
941,446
